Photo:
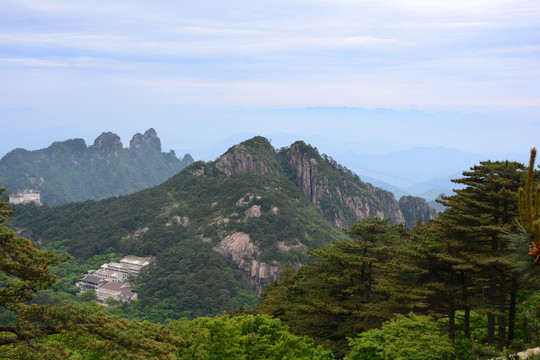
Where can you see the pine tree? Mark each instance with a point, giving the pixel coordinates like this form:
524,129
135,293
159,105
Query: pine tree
351,287
529,209
476,250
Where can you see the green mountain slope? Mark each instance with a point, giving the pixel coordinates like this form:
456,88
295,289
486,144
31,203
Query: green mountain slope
70,171
218,228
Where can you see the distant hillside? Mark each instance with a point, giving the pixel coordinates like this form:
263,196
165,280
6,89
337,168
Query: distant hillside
70,171
218,228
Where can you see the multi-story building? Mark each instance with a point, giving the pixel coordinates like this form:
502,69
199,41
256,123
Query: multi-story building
90,282
111,275
26,197
110,280
118,291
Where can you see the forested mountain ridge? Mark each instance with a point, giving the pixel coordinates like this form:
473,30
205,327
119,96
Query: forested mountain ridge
336,192
70,171
254,209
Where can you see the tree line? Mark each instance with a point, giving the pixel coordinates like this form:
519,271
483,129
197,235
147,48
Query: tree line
465,269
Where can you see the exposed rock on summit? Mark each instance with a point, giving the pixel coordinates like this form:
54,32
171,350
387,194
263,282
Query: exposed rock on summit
102,170
254,211
339,195
252,156
107,144
416,209
147,142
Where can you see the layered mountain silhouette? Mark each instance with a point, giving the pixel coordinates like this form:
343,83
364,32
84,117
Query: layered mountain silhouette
70,171
224,226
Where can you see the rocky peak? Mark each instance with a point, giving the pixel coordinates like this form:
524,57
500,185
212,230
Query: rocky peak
107,144
305,167
391,206
415,209
187,159
252,156
336,192
147,142
72,145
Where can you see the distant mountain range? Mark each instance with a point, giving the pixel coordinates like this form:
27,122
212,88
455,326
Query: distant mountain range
252,210
70,171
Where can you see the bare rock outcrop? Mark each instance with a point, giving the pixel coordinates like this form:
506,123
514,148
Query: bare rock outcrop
254,211
243,255
147,142
240,159
392,209
306,171
344,200
416,209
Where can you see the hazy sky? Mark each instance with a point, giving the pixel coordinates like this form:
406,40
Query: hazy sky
199,71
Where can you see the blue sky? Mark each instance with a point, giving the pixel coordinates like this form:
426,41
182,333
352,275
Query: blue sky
202,71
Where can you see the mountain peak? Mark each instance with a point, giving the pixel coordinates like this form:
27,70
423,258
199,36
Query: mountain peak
305,149
107,142
256,144
255,155
147,142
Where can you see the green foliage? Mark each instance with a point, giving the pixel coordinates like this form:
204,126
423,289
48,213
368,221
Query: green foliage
411,337
74,332
170,222
90,296
477,256
194,281
69,171
528,236
243,337
353,285
23,268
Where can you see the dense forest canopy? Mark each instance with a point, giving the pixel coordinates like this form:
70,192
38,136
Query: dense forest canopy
461,286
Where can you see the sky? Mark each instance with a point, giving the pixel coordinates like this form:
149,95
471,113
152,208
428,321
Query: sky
462,74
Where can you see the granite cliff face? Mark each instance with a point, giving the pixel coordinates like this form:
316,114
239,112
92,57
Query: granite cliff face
254,156
243,254
149,142
416,209
338,194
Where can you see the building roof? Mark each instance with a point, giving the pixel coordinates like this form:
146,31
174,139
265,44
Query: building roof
125,290
138,261
92,279
109,273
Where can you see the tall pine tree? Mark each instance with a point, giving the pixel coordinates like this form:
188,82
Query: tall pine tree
476,250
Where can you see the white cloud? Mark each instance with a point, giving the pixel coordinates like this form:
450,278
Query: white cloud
282,51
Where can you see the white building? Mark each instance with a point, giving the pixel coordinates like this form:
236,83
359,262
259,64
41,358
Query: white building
121,292
26,197
111,279
129,265
111,275
90,282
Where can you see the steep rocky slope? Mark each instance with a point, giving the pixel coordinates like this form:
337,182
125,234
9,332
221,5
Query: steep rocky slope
416,209
255,207
340,195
